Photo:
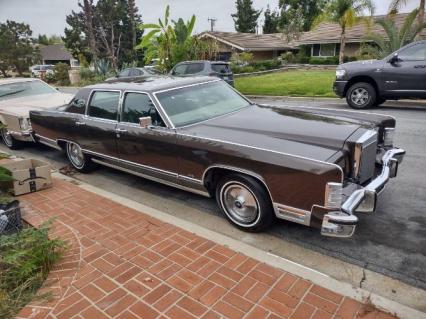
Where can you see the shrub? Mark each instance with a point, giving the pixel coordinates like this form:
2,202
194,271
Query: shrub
324,61
61,73
25,260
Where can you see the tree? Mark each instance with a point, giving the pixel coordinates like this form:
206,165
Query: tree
75,38
271,22
245,19
45,40
395,38
87,8
346,13
397,4
301,13
17,49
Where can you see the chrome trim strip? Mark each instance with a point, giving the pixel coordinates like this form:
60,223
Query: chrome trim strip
191,179
267,150
195,191
49,142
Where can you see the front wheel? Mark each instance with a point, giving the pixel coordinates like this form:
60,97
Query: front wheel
361,96
78,159
9,140
244,202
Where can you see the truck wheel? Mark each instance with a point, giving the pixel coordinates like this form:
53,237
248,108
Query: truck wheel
78,159
9,140
244,202
361,96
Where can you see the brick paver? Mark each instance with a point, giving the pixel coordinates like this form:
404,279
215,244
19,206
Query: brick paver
124,264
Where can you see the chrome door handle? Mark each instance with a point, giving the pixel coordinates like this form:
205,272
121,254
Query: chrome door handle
120,130
420,66
80,123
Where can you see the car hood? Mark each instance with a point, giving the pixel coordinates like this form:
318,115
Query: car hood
361,64
21,106
297,132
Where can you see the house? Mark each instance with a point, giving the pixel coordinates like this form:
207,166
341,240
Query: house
324,40
55,53
262,46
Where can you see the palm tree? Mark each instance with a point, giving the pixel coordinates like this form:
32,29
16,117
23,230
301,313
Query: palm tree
346,13
397,4
395,38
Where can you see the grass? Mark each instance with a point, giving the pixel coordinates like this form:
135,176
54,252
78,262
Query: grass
25,261
310,83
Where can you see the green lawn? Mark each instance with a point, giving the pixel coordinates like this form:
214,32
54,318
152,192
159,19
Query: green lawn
289,83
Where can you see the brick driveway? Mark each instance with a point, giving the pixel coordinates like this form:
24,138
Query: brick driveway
124,264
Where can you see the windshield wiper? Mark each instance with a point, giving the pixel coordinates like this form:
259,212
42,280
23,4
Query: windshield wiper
11,93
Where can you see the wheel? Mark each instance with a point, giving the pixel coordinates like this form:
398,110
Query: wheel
244,202
78,159
361,96
9,140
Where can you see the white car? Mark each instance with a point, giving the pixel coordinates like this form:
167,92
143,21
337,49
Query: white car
36,70
17,97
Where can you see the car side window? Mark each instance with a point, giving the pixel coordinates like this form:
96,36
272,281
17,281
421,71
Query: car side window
135,72
180,69
414,53
77,106
104,105
194,68
137,105
124,73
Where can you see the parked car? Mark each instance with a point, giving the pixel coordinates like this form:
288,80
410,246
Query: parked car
132,74
370,83
314,167
17,97
36,70
210,68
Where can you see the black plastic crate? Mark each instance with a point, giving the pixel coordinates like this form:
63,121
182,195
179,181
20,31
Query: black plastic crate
10,218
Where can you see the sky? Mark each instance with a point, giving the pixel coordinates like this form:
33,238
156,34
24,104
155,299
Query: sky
48,16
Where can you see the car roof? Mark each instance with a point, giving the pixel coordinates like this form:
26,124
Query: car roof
204,61
154,84
16,80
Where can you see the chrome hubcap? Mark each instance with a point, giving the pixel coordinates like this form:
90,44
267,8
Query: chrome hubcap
360,96
7,138
240,203
75,154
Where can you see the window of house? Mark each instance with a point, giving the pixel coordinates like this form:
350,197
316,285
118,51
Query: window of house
104,105
324,49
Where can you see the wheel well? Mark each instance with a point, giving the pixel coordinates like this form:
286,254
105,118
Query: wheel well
214,174
362,78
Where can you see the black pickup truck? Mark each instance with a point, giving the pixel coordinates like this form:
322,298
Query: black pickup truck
370,83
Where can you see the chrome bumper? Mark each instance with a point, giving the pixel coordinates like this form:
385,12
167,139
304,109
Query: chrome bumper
343,223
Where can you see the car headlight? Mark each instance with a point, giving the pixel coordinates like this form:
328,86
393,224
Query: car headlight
388,136
24,124
340,73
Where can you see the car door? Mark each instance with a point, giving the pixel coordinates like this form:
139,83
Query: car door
406,77
96,130
151,151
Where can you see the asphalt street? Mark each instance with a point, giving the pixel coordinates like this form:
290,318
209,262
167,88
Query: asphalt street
391,242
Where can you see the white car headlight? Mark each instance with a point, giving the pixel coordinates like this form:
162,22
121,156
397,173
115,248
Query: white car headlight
388,136
340,73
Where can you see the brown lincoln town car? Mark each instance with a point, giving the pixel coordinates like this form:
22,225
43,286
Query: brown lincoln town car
315,167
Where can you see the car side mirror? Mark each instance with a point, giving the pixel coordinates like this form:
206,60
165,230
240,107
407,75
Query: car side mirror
145,122
394,59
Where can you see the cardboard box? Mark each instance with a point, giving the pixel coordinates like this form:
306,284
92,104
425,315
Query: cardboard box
30,175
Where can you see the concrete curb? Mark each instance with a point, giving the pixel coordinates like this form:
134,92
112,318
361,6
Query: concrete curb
314,276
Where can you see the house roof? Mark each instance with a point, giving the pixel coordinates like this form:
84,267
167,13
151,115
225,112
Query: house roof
55,52
250,41
331,32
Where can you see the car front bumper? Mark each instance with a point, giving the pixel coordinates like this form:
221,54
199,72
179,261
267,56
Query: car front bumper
342,223
339,88
25,136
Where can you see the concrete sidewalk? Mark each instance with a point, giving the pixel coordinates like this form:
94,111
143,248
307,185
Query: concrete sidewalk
125,264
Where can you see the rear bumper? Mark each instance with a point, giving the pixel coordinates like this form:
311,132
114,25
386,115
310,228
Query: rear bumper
342,223
339,88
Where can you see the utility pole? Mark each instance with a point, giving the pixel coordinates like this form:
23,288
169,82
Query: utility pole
212,23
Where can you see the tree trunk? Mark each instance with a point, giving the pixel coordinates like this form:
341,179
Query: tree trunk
342,46
421,15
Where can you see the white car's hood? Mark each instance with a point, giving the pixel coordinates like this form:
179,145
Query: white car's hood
21,106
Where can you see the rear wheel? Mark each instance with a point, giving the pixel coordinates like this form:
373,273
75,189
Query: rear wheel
9,140
245,202
78,159
361,96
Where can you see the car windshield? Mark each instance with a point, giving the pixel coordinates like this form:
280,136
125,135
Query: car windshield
202,102
25,88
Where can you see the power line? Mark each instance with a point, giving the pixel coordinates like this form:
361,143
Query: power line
212,23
